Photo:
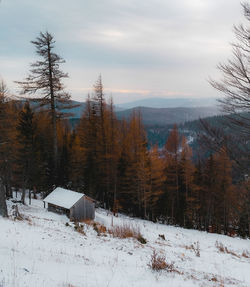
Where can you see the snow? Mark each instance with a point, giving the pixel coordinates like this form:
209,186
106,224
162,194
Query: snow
42,251
63,197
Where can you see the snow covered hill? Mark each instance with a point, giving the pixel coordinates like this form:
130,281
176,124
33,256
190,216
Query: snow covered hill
45,249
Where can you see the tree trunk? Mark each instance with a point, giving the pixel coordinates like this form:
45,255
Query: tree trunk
23,195
3,206
29,197
53,114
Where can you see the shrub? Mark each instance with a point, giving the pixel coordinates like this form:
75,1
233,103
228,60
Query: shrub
158,263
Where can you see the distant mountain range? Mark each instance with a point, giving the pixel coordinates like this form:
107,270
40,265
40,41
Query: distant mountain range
160,111
170,103
178,110
166,116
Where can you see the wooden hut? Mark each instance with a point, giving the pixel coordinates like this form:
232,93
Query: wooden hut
77,206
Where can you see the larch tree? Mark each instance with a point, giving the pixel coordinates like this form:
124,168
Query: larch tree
132,167
156,182
224,190
171,194
45,81
187,190
101,115
138,167
112,154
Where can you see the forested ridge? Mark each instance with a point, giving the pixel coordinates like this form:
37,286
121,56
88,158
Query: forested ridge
110,160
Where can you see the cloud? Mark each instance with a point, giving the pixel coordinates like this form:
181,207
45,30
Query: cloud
153,45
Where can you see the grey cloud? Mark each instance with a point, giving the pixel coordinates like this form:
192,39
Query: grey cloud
153,42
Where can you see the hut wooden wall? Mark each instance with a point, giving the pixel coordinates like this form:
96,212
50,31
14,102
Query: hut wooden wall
57,209
83,209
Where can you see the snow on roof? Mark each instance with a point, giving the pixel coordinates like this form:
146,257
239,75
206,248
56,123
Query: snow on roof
63,197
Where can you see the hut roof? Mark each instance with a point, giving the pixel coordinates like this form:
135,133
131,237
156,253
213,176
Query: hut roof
63,197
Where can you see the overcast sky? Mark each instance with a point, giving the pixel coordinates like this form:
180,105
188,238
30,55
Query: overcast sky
142,48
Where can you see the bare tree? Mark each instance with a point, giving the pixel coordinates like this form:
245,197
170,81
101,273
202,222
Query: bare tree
45,81
235,86
235,83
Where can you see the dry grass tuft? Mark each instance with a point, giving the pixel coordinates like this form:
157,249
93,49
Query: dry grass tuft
88,221
79,228
195,247
223,249
127,231
158,263
98,227
220,247
16,215
246,254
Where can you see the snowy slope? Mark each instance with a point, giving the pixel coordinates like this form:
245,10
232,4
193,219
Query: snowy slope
42,251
